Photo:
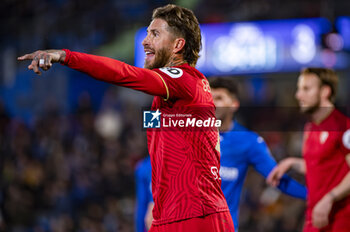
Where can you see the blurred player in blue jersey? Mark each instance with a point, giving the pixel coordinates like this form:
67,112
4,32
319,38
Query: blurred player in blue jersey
241,148
143,174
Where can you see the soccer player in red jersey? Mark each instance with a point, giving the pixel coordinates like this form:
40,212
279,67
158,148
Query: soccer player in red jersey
326,154
185,163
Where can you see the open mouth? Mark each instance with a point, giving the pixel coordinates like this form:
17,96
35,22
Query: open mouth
149,54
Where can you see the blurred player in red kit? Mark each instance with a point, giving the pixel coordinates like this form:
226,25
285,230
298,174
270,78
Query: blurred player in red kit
326,154
185,163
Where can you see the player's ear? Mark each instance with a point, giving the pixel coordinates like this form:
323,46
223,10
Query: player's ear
179,44
235,104
326,92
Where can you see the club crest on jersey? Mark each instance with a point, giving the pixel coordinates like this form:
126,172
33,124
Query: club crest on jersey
346,139
172,72
323,136
151,119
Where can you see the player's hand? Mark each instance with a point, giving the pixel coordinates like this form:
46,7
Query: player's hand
320,212
149,216
277,172
43,59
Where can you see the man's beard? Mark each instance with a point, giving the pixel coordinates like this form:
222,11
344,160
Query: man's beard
161,58
310,109
222,113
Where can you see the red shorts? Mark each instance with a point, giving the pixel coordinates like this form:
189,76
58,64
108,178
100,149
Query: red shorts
213,222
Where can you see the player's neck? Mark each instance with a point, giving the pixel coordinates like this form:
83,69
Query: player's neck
175,60
322,113
227,124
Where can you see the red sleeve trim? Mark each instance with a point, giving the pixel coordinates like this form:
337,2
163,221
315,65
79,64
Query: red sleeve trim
166,87
68,53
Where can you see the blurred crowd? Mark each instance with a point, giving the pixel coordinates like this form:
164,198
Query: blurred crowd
69,172
79,24
85,25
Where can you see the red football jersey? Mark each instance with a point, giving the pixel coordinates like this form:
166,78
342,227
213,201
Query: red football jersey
185,161
324,151
185,181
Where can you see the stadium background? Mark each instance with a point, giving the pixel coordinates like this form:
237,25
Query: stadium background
69,144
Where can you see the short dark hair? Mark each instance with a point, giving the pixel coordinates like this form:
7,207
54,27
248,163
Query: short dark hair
226,83
183,23
327,77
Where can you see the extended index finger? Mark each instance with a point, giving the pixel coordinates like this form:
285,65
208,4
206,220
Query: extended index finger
26,57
